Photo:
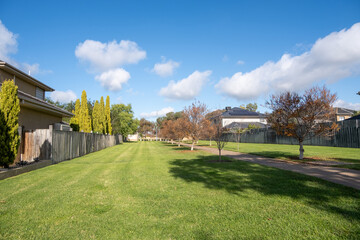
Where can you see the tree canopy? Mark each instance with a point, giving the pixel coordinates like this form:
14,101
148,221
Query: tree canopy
122,120
303,116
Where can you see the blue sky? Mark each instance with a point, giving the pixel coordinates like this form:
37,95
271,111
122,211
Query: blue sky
161,55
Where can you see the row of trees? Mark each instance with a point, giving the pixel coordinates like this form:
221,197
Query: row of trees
121,116
98,121
300,116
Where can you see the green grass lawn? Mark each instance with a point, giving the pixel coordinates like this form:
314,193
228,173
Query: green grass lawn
153,190
291,152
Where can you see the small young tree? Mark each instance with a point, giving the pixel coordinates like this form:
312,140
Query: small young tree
168,130
9,123
237,131
108,116
180,129
303,116
195,116
220,137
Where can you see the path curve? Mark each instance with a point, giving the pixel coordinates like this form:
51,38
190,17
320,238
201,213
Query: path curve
346,177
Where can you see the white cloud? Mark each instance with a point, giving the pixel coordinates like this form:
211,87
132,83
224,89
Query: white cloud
33,69
105,56
63,97
8,46
156,114
348,105
331,58
240,62
186,88
165,69
113,80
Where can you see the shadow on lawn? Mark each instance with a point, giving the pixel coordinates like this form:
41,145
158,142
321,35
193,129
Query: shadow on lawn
236,177
287,155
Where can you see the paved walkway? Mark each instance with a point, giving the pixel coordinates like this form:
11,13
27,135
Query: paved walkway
347,177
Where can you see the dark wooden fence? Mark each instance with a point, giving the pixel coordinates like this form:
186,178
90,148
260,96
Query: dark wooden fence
347,136
58,146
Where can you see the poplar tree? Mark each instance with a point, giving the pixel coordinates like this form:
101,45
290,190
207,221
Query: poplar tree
74,121
9,123
102,115
84,119
96,116
108,117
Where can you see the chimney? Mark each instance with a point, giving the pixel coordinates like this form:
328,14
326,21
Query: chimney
227,108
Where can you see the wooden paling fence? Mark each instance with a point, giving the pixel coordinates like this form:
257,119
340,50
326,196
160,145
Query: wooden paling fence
69,145
347,136
58,146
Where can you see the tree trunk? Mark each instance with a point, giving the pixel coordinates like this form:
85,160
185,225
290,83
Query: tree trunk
192,145
301,150
210,141
179,143
219,155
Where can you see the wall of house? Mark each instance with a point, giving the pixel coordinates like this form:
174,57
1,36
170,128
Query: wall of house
22,85
345,117
32,119
227,121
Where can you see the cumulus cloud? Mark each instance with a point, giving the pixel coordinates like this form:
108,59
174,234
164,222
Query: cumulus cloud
8,46
113,80
105,56
187,88
331,58
8,43
63,97
348,105
166,68
156,114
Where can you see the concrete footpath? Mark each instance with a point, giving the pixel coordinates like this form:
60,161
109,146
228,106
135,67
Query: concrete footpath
346,177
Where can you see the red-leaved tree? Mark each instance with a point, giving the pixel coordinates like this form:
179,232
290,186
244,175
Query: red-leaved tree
303,116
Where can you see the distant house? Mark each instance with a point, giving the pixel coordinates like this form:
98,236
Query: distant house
241,118
342,114
35,112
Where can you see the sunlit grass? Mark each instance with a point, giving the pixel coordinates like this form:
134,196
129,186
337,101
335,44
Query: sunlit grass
153,190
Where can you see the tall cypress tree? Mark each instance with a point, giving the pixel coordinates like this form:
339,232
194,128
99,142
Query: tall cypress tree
108,117
97,124
84,120
75,120
9,123
102,114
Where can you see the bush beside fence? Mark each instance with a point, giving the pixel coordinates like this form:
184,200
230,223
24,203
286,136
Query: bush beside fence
347,136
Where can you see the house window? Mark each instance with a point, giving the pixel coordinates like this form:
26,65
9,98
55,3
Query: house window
341,118
39,93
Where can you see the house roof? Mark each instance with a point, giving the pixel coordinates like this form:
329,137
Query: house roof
29,101
245,125
239,112
18,73
344,111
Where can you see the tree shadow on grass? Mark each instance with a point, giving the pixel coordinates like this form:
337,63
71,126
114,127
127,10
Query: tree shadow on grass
237,177
291,156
